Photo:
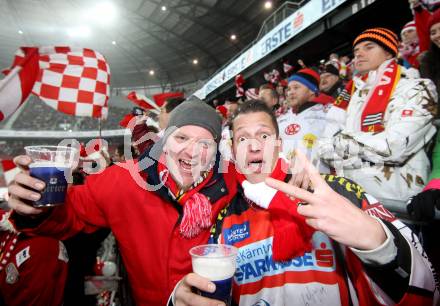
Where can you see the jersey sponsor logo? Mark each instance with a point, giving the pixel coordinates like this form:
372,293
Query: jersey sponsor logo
349,186
236,233
292,129
309,140
324,256
377,210
254,261
22,256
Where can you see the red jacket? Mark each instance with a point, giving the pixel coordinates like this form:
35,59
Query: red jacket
35,272
144,223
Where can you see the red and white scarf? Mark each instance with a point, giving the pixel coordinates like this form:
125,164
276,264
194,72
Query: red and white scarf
292,235
197,209
377,99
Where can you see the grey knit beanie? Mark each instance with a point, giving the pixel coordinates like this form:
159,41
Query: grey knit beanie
195,112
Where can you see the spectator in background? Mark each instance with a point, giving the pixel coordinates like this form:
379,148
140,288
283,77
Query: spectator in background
301,64
331,84
231,105
387,123
281,91
118,155
333,59
346,70
409,48
224,146
165,111
302,125
215,103
143,135
269,96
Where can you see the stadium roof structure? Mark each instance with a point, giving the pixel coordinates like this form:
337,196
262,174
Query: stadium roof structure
146,42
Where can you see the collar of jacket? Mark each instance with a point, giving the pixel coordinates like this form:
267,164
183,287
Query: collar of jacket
213,190
305,106
372,78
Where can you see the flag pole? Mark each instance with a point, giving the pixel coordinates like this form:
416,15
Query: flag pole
99,128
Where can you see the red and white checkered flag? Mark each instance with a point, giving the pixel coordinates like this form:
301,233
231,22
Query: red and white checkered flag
74,81
17,85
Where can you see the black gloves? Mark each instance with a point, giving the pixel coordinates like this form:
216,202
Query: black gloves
422,206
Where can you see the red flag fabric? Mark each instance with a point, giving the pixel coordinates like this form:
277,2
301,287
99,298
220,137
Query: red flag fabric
161,98
9,170
20,77
74,81
142,101
287,68
124,122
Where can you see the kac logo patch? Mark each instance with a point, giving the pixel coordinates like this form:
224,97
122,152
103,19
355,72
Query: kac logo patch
292,129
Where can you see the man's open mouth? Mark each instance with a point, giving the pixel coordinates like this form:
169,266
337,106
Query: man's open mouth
256,165
186,164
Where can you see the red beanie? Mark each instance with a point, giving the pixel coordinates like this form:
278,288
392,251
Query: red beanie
435,18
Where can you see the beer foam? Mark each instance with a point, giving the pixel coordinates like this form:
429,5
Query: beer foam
46,164
214,268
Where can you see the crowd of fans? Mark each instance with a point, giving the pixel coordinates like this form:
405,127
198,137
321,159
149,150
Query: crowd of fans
366,118
35,115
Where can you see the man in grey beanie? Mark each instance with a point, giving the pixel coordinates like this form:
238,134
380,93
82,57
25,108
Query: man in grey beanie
196,112
190,141
155,228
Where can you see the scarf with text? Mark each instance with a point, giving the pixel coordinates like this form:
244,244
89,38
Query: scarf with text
378,99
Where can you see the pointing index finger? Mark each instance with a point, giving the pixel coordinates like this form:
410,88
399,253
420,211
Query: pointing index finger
313,173
291,190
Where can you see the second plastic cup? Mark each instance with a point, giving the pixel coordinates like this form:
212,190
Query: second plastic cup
216,262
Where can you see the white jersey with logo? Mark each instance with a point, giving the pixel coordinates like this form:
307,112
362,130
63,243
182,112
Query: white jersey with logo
302,130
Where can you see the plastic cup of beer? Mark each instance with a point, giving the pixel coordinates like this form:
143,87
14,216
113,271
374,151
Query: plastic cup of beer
216,262
53,165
